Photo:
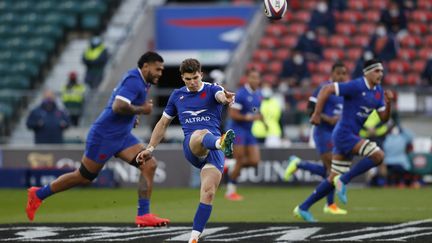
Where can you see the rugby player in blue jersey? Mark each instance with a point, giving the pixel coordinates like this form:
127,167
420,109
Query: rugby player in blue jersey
243,113
361,97
322,136
198,106
110,135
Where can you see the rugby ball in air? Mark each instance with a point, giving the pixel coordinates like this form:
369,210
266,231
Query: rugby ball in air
275,9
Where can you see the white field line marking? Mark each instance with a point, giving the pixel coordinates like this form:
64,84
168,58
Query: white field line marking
298,234
208,231
403,238
249,232
380,234
374,228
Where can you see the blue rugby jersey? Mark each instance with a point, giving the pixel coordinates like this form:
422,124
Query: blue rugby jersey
332,107
196,110
359,101
132,89
247,101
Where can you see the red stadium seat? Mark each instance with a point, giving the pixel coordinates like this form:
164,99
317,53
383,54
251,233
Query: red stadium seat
378,5
410,41
345,28
358,4
289,41
270,78
262,55
372,16
351,16
424,4
333,54
393,79
275,67
302,16
282,54
407,53
324,67
428,40
367,28
361,40
398,66
309,5
269,42
276,30
340,41
354,53
297,28
317,79
418,66
312,66
421,15
350,65
417,28
260,66
425,53
288,17
412,79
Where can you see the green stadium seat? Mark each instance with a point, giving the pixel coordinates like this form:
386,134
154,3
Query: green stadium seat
15,82
46,6
93,7
6,56
33,56
49,31
69,7
22,6
6,111
9,97
26,69
90,22
41,43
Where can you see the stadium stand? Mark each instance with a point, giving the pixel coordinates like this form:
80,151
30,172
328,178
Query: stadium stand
354,28
33,33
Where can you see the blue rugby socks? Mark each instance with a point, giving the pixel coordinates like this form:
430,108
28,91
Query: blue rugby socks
359,168
44,192
330,197
143,206
320,191
314,168
202,215
209,141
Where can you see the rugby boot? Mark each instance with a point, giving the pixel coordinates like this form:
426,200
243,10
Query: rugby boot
150,220
340,189
234,196
33,202
303,214
226,142
292,167
334,209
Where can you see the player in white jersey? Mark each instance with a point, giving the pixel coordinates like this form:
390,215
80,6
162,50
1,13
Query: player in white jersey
198,106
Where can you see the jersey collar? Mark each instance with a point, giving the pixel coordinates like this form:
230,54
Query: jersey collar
367,84
249,89
145,82
201,88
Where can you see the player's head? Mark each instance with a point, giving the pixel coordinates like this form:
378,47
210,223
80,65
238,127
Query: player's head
339,72
373,70
151,66
253,78
190,70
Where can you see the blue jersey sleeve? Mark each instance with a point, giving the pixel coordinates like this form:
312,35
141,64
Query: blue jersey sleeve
347,89
129,90
215,88
314,97
170,109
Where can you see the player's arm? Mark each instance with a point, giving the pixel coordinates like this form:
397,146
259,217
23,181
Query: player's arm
332,120
123,106
384,113
236,115
156,137
323,96
225,97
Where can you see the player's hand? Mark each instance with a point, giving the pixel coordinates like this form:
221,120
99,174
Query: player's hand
315,119
388,96
229,97
147,107
143,156
137,122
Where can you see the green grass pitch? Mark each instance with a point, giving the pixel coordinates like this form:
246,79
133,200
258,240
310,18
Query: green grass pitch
261,204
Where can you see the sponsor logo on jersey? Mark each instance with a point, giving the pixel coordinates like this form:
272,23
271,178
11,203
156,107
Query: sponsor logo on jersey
195,118
364,111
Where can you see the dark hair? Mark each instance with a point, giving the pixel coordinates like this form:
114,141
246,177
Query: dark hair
371,62
337,64
190,65
251,70
148,57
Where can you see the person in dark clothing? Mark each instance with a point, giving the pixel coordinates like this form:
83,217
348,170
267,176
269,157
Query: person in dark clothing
394,18
47,121
95,58
427,72
383,44
322,19
310,46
